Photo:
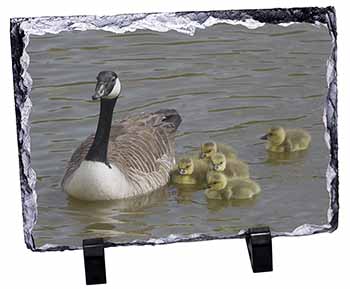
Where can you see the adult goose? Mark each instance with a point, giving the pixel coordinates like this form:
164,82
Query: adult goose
133,157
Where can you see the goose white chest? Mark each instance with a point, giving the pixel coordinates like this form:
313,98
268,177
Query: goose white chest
94,181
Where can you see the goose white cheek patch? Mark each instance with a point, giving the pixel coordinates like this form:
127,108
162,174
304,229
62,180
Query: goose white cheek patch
232,77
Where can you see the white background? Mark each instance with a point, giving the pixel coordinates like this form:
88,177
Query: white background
318,261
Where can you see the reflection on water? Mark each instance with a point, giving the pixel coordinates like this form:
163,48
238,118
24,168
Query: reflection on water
185,195
229,84
284,158
217,205
107,215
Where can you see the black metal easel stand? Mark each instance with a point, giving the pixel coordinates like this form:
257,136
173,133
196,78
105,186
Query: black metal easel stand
94,260
259,243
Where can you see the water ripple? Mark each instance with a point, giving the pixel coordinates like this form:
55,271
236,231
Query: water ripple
148,104
237,108
188,42
253,96
69,84
254,122
180,75
287,33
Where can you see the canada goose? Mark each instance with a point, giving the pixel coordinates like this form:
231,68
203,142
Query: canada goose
223,188
190,171
231,168
130,158
286,140
208,149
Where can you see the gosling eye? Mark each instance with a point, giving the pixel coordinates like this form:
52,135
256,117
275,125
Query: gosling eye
221,163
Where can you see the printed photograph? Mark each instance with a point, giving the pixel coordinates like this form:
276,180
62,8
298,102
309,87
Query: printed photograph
147,135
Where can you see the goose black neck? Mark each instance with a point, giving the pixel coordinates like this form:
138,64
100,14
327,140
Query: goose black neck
99,148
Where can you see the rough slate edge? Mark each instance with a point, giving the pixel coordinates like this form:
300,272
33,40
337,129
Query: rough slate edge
22,86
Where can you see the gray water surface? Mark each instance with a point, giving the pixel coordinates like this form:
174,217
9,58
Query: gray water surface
229,83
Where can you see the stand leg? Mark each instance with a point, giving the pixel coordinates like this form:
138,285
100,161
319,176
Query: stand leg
259,243
94,260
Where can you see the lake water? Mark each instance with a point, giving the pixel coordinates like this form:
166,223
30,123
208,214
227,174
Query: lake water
229,83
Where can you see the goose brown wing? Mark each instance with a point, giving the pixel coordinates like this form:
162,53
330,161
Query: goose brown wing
141,149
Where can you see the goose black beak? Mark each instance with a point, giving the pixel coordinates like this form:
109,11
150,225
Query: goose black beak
100,91
95,97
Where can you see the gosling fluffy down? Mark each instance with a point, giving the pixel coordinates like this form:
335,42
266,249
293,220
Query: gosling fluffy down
286,140
229,167
222,188
190,171
208,149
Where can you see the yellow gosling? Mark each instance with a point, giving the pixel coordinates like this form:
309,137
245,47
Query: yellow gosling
190,171
231,168
223,188
286,140
208,149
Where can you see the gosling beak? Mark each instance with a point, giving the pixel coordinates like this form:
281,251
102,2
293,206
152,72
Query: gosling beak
181,172
203,156
209,186
216,167
264,137
100,91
